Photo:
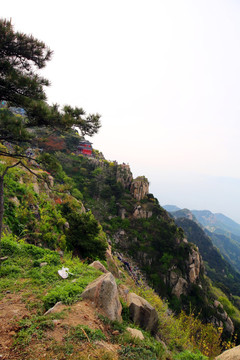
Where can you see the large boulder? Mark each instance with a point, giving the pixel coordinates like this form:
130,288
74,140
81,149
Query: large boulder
104,293
232,354
99,266
142,313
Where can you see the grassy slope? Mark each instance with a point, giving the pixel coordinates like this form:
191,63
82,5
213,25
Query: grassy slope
28,290
36,217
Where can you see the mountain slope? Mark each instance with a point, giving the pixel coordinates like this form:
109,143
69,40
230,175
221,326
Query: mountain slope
217,268
216,222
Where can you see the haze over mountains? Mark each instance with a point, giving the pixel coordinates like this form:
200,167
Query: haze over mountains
223,231
214,222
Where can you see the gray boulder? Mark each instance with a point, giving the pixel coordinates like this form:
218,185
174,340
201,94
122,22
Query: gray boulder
104,293
142,313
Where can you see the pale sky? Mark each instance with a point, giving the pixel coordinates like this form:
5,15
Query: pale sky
164,75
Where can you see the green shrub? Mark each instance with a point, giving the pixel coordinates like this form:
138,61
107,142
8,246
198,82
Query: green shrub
11,271
9,245
188,355
85,235
83,333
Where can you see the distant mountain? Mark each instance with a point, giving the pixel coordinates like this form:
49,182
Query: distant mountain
184,213
217,223
228,246
171,208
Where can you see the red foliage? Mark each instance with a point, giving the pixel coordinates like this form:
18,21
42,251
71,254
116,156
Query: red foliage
54,143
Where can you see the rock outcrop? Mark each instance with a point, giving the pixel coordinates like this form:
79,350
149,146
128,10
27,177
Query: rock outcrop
139,188
232,354
104,293
180,282
141,213
124,175
99,266
112,264
195,263
223,320
142,313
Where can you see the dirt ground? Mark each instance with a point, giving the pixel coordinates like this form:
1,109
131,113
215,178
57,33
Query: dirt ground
13,309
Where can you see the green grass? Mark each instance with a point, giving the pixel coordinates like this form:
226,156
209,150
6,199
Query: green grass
43,283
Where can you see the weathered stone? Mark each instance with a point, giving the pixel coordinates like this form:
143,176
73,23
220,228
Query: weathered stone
103,292
66,225
123,292
54,308
43,264
232,354
140,213
122,213
124,175
139,188
115,332
222,319
135,333
112,264
180,287
229,327
56,322
142,313
15,200
99,266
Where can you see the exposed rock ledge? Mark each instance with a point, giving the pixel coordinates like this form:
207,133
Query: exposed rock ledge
139,188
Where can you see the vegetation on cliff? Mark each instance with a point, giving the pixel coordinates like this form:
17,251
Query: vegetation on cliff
62,210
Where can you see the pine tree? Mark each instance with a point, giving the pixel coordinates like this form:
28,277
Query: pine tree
21,58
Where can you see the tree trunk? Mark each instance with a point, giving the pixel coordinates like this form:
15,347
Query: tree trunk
1,208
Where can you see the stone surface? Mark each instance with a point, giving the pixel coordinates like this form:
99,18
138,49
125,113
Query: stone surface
139,188
195,262
99,266
124,175
180,287
54,308
141,213
122,213
232,354
142,313
112,264
223,319
103,292
135,333
43,264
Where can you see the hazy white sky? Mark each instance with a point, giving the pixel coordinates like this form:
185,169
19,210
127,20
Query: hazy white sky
164,75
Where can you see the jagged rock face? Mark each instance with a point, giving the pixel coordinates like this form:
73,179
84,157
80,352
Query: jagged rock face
111,262
139,188
195,265
140,213
223,319
179,282
104,293
142,313
180,287
124,175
